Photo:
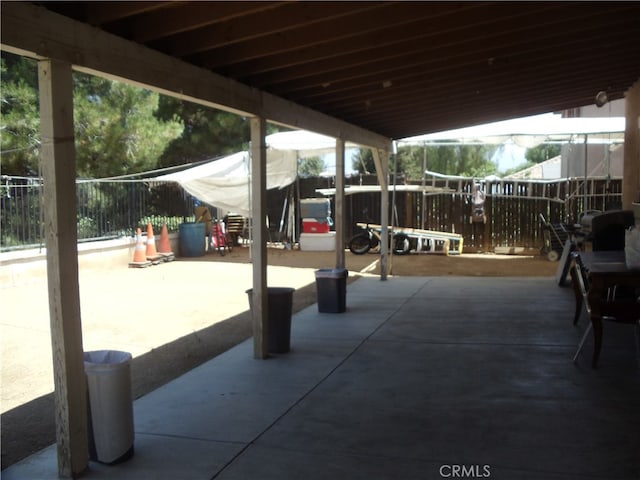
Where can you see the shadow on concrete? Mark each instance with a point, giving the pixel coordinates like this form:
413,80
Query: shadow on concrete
31,427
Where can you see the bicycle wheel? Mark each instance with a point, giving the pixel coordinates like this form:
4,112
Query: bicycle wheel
359,244
401,244
375,243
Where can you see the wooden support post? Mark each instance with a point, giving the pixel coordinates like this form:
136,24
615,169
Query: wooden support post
59,176
260,305
381,160
487,238
631,167
339,204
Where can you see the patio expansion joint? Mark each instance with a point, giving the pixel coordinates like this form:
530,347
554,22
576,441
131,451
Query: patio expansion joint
313,388
477,343
190,437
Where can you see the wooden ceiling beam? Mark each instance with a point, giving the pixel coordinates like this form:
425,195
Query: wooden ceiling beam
576,80
454,28
102,13
459,74
39,33
377,27
271,30
450,49
377,67
548,97
183,18
415,64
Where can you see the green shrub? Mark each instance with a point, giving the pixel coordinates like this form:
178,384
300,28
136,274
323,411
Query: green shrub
157,221
87,228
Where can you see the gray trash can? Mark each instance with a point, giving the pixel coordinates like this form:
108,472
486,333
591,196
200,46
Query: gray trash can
331,288
110,403
278,317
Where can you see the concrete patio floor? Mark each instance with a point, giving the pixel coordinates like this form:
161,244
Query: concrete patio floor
421,378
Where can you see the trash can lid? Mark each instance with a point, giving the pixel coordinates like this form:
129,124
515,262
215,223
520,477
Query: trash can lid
103,358
332,273
274,290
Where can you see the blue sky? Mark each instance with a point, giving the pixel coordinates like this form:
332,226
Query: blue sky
509,156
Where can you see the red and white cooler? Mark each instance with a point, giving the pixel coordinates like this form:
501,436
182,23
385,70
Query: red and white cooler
313,225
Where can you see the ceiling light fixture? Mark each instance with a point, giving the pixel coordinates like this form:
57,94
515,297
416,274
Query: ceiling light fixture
601,98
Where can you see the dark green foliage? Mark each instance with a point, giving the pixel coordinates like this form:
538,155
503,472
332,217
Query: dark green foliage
412,161
20,127
207,133
310,167
115,127
542,152
116,130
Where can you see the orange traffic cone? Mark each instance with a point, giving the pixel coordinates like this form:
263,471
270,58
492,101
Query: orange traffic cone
164,247
139,256
152,253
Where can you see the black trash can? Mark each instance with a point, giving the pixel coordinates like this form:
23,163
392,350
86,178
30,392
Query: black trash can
278,317
331,288
111,432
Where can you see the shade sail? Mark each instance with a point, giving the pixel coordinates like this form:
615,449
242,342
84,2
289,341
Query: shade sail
305,143
226,182
530,131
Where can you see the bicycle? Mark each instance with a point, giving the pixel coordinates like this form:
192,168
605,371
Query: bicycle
369,241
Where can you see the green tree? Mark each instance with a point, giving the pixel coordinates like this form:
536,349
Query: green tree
115,126
466,160
310,166
207,132
363,161
542,152
20,120
116,130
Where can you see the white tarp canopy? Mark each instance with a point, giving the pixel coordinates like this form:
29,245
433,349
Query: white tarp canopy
306,144
226,182
530,131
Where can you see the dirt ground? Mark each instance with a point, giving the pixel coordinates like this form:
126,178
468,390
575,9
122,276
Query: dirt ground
29,425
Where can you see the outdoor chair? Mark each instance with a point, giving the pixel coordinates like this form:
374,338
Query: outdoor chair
612,308
580,286
607,229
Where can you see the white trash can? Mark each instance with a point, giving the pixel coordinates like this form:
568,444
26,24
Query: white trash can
111,431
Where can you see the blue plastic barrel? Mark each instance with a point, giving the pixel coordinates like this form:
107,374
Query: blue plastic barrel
192,239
